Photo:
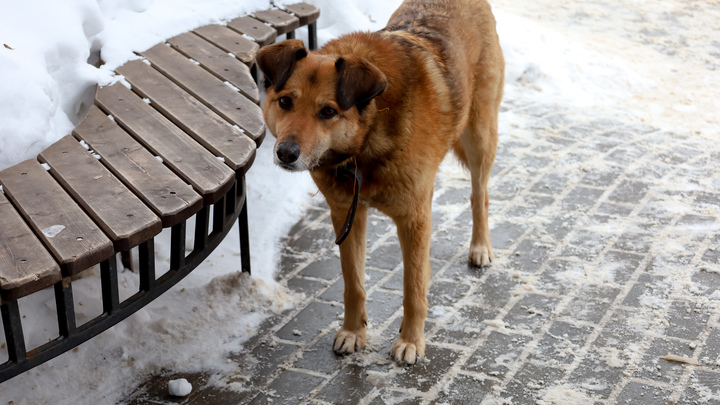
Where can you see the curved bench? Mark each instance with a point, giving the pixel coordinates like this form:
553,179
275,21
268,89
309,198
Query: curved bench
171,144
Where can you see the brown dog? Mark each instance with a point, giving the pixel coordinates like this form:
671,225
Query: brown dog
383,109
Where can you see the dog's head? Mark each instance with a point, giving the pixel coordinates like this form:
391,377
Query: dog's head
319,107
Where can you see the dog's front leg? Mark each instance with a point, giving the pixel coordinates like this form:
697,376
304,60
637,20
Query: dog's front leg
414,233
352,334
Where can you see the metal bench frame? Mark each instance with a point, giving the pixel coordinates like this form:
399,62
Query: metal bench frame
211,227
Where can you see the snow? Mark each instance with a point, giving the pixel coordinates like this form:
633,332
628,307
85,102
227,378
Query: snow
48,75
179,388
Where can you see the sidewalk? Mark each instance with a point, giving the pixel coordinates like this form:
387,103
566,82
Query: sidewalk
607,259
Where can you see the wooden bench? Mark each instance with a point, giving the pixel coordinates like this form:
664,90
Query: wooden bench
174,146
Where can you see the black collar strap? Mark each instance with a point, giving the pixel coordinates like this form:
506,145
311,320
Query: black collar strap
355,174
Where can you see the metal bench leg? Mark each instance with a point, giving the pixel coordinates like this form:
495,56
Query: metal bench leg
219,215
65,307
202,219
244,233
290,35
109,282
147,265
12,323
177,246
312,36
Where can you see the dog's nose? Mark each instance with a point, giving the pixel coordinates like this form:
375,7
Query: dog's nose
288,152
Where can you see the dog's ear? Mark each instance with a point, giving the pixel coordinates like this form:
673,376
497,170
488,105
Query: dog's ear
359,81
278,60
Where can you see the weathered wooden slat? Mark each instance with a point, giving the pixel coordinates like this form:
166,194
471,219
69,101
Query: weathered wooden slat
203,124
280,20
187,158
229,41
25,265
124,218
163,191
215,94
307,13
75,241
217,62
257,30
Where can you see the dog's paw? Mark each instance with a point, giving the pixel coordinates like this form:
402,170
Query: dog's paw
480,255
406,352
347,341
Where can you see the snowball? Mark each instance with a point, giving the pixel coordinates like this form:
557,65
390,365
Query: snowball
179,388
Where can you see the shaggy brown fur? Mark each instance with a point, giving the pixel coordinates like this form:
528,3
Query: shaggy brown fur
392,103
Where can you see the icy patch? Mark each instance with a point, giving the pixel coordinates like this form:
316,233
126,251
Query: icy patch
53,231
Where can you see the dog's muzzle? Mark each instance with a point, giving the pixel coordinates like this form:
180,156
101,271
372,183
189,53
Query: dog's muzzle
288,152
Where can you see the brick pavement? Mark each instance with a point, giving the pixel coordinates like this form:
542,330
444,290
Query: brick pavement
607,244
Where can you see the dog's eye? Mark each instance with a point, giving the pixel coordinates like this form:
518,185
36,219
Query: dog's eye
327,113
285,103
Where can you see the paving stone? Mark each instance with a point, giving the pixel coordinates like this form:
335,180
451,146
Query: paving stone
386,257
686,320
620,265
381,305
602,177
378,225
648,290
615,209
591,303
622,331
561,343
387,397
504,234
288,262
586,244
530,255
629,192
527,385
304,285
598,373
289,388
263,360
327,267
335,292
652,367
308,323
320,357
463,389
465,326
497,354
704,388
425,374
560,276
635,393
531,312
556,226
453,196
494,291
582,199
447,242
446,293
530,206
552,183
349,386
312,240
634,242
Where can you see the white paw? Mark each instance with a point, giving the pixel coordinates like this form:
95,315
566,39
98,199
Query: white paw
405,352
480,255
347,341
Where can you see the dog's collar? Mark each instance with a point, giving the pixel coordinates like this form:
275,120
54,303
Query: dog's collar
355,174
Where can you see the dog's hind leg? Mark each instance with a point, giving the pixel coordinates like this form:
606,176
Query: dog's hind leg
352,334
476,148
